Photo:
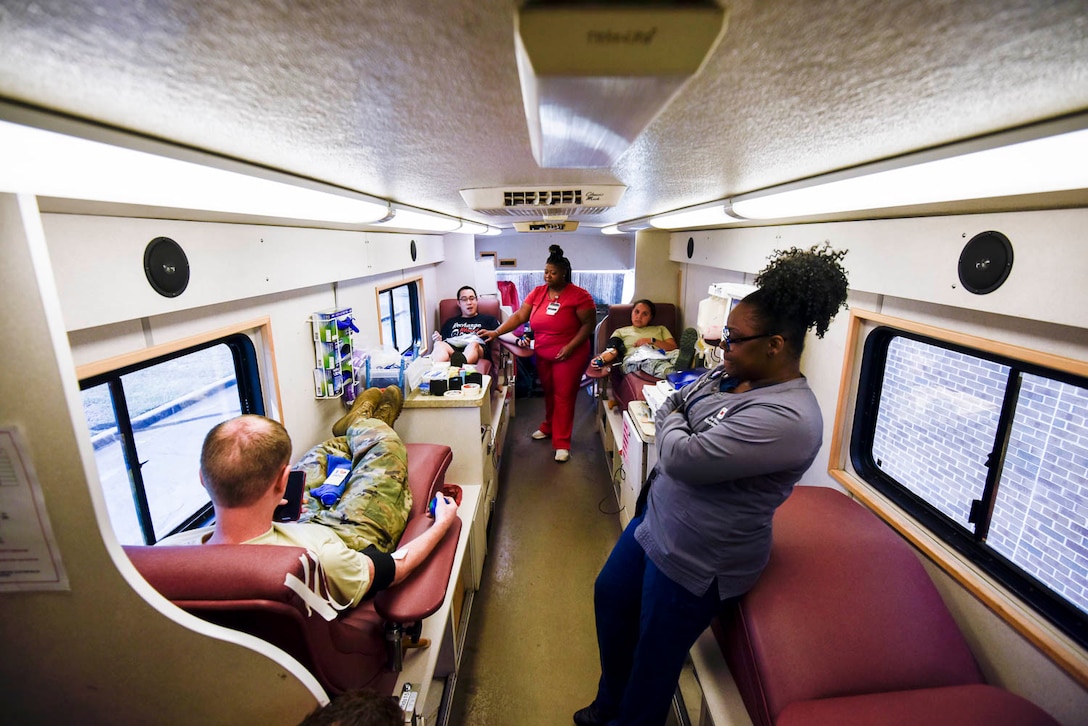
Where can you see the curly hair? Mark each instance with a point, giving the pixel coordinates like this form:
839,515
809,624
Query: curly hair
555,257
800,289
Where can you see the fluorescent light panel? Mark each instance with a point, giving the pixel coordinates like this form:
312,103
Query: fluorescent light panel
49,163
702,216
1043,158
472,227
1054,163
404,218
46,163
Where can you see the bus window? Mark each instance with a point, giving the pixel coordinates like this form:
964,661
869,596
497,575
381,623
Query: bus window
401,320
991,455
148,422
606,287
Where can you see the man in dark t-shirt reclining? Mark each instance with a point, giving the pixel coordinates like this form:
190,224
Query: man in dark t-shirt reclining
461,333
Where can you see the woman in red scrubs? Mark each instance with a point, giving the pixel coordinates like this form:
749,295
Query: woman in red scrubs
561,316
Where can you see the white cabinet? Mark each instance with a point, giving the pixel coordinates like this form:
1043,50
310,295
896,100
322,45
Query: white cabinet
474,426
428,670
628,440
639,454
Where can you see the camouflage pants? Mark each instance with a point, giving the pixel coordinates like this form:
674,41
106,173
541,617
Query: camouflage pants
376,501
656,367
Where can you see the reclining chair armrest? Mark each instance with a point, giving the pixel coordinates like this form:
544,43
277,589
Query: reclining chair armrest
427,466
425,589
515,348
420,595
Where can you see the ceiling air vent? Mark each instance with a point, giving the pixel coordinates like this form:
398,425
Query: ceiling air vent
539,201
545,226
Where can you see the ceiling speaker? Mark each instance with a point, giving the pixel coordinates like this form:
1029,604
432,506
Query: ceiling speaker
985,262
166,266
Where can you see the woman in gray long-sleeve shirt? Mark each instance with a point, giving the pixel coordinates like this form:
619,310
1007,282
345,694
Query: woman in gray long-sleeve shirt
730,448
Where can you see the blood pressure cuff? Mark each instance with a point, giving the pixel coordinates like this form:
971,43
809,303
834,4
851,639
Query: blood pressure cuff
385,570
616,343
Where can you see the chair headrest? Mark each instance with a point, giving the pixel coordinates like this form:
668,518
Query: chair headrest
620,315
448,308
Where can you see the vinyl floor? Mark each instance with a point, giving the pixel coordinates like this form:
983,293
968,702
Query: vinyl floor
530,657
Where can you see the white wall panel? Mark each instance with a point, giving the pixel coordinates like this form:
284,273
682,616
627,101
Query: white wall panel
458,268
586,252
907,268
106,341
388,251
111,641
916,259
98,262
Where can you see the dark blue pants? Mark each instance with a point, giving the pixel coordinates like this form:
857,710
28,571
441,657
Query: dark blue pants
646,624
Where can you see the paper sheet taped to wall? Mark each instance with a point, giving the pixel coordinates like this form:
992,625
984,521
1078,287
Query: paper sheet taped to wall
29,556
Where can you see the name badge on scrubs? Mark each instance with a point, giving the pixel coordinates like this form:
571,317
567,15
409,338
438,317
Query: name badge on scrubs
553,307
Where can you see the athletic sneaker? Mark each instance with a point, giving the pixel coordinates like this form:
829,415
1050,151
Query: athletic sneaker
538,435
685,360
562,455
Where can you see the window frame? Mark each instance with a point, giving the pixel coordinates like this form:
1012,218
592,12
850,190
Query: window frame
970,544
526,280
247,363
958,556
415,302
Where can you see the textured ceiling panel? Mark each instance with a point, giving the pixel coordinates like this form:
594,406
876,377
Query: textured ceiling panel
414,100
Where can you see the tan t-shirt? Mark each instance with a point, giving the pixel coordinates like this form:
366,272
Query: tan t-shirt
629,334
347,571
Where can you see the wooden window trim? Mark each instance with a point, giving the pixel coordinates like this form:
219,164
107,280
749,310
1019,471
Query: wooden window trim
260,330
1048,639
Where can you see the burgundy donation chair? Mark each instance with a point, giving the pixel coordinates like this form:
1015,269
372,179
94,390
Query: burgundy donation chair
243,587
627,387
845,628
498,361
449,308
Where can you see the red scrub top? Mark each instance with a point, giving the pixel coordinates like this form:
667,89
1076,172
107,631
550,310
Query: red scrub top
555,328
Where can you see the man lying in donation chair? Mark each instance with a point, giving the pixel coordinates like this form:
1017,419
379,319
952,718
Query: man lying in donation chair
373,545
640,353
459,321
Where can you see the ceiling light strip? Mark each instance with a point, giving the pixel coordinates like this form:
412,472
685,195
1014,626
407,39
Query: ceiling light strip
1039,159
703,215
1035,159
55,156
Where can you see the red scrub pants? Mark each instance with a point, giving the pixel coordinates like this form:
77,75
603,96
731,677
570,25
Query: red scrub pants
561,381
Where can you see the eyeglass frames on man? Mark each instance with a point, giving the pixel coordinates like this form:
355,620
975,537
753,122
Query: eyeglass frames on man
467,299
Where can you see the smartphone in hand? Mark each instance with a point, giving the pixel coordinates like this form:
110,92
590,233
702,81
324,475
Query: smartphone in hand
292,510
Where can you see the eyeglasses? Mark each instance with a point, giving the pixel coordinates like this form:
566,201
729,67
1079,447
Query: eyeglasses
728,340
467,299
